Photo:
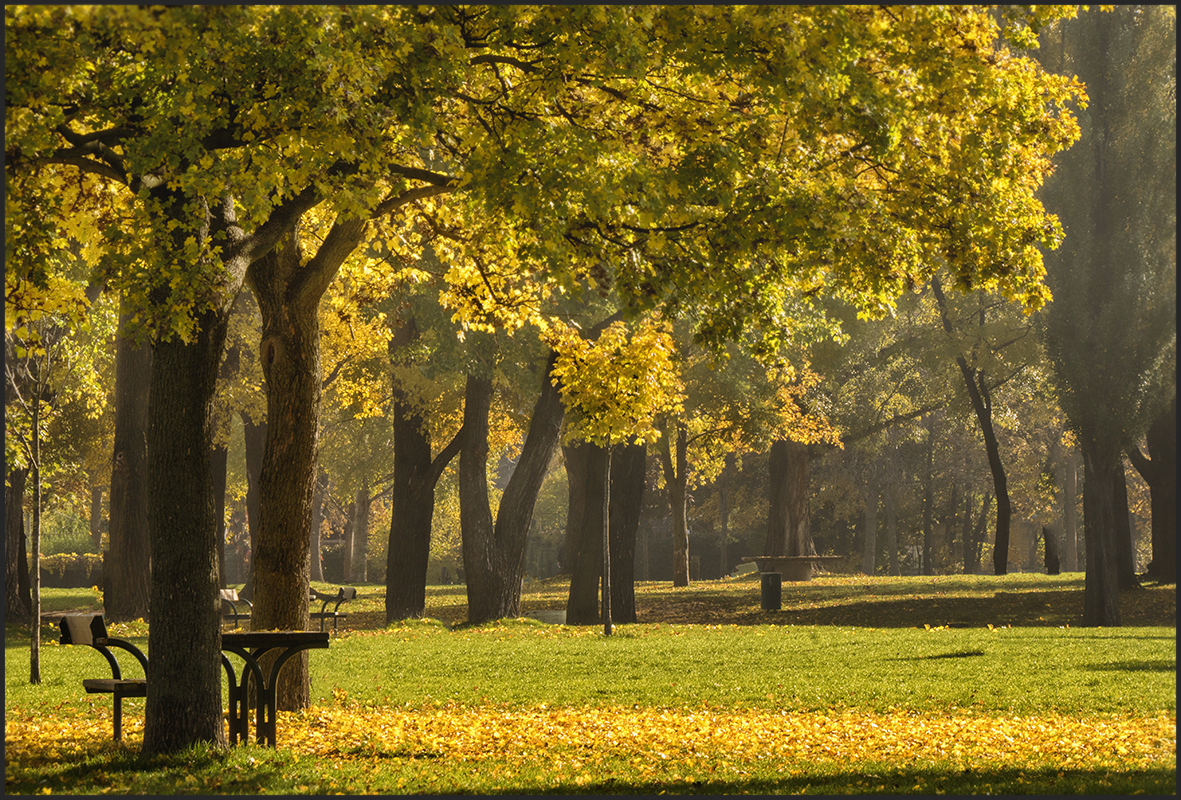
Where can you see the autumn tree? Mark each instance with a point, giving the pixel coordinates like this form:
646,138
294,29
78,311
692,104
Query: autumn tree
1111,330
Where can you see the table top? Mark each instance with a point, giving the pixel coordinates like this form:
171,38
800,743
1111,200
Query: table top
276,638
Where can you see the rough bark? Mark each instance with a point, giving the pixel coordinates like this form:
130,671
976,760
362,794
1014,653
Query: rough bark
17,598
288,292
1053,565
127,569
498,594
184,640
676,479
789,531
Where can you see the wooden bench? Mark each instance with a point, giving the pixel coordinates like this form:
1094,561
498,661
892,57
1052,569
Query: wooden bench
91,629
342,594
230,597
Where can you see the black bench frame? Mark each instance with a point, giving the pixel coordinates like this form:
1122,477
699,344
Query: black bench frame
91,629
343,593
230,597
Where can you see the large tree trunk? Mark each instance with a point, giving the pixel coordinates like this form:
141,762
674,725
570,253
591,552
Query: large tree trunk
127,569
1101,593
498,594
676,478
288,291
17,597
1159,471
891,529
789,531
184,639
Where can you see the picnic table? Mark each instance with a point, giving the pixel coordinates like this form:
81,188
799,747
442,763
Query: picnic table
249,646
90,629
774,570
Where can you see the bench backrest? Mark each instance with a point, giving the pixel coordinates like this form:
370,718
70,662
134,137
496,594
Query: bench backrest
91,629
84,629
347,593
229,594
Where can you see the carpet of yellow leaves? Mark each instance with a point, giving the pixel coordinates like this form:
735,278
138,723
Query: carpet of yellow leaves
664,737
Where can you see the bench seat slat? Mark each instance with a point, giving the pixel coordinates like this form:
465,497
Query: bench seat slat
127,687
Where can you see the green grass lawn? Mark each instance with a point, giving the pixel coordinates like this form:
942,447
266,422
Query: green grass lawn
959,684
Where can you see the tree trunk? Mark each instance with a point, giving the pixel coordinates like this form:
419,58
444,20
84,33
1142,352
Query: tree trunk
17,598
1070,512
254,437
1122,518
184,639
869,552
1101,593
315,560
35,556
218,461
724,516
412,501
475,513
929,497
96,516
501,596
585,464
891,529
360,547
1053,565
676,478
977,386
127,570
627,499
789,531
1159,471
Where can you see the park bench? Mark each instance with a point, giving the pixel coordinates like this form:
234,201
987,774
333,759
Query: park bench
342,594
230,597
773,570
91,629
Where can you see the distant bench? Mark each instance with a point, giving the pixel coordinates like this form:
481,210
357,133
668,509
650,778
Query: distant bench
91,629
343,594
230,598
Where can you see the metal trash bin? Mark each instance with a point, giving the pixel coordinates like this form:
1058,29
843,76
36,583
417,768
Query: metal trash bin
772,590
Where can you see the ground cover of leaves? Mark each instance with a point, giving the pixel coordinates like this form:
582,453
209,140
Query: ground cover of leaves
557,749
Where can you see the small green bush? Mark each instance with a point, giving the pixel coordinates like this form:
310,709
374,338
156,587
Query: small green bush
72,570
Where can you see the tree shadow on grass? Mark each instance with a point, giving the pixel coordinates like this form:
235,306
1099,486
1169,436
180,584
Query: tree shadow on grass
1051,781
